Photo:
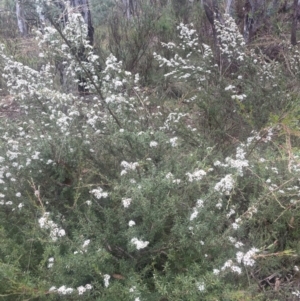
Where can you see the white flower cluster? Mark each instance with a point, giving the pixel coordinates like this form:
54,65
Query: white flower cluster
195,213
153,144
131,223
236,243
234,95
55,231
182,66
170,176
173,141
86,243
139,244
126,202
296,293
197,175
231,41
98,193
201,286
240,161
229,264
63,290
106,280
82,289
247,258
225,185
173,118
128,166
50,262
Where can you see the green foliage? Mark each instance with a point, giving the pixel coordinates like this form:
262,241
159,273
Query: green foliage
126,195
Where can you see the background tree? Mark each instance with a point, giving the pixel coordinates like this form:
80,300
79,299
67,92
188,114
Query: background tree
294,22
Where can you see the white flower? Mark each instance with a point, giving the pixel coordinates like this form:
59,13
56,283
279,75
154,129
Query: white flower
219,205
217,163
173,141
248,257
153,144
296,293
236,269
131,223
63,290
106,280
61,233
197,175
88,286
225,185
169,175
194,214
201,286
18,194
86,243
139,244
20,205
35,156
132,289
81,289
231,212
88,202
98,193
128,166
52,289
216,271
238,244
126,202
230,87
199,203
235,226
50,262
239,257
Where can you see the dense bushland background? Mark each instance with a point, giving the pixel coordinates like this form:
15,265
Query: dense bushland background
160,163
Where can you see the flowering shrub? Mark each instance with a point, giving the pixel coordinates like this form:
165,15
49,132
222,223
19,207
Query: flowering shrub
106,198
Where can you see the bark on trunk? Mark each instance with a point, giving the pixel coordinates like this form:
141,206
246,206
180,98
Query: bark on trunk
130,8
22,24
294,23
254,17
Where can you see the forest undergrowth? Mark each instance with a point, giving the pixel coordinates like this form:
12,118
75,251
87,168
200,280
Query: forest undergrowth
129,192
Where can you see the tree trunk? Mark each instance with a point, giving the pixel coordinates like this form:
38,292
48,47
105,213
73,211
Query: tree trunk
211,8
22,24
228,7
254,18
130,8
294,23
84,9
